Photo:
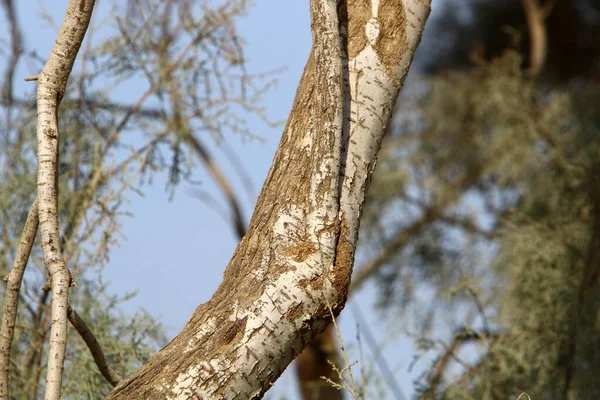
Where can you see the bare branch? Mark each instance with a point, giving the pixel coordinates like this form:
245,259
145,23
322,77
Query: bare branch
13,288
538,41
239,223
401,239
16,49
92,104
92,343
461,337
52,83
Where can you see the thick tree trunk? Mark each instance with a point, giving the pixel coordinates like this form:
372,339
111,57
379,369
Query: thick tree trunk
294,264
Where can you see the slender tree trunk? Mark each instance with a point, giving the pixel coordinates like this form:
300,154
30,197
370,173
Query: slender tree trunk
291,271
52,84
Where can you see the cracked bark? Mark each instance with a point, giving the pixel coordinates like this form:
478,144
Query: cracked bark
297,255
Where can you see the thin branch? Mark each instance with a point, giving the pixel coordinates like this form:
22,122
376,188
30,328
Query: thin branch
52,83
538,41
92,343
239,223
28,361
182,128
240,169
431,213
383,366
463,336
16,40
468,226
91,104
403,236
13,288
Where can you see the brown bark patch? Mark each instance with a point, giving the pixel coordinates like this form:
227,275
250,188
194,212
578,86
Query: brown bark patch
359,12
301,251
294,312
317,283
392,42
344,260
231,329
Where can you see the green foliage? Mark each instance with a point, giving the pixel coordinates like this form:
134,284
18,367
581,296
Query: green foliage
127,341
503,183
187,59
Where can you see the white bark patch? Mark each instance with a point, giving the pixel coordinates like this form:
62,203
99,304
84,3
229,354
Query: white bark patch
372,94
267,327
267,324
416,15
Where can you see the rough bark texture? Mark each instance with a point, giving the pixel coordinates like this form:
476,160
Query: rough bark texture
296,259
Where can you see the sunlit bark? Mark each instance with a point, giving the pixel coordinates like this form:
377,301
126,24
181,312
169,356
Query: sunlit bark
296,259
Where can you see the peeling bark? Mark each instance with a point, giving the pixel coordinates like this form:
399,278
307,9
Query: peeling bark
296,259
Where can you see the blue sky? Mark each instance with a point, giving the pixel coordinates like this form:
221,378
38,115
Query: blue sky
180,268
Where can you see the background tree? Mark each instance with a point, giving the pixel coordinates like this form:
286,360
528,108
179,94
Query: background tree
486,197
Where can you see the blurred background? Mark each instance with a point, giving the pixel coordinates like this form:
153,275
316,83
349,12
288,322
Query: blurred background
478,271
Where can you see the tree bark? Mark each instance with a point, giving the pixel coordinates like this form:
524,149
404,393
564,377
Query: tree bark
11,300
52,83
315,363
294,263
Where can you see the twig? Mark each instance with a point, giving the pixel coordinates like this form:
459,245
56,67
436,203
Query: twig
16,40
52,83
402,237
92,343
460,338
239,223
538,41
351,386
383,366
13,288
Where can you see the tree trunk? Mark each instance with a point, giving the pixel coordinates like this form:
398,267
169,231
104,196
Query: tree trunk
291,271
315,363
